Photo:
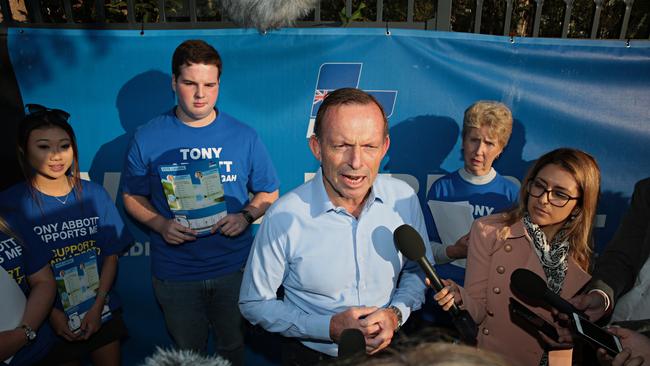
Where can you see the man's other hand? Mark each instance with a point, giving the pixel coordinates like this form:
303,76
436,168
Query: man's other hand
385,321
231,225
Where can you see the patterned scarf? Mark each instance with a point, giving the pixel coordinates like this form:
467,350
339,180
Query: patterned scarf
553,257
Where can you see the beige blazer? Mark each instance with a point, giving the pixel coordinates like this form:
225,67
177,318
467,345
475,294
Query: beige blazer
495,251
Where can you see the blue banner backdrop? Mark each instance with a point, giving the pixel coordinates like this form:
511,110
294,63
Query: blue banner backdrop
592,95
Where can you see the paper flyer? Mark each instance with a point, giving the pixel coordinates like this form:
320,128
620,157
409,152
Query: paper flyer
453,220
194,193
77,281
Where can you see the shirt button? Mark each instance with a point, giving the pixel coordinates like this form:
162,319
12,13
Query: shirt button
507,248
486,331
501,269
496,290
490,313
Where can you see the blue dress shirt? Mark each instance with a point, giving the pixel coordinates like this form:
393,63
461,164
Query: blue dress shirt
328,260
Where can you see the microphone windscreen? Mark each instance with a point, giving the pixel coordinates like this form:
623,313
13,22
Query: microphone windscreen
409,242
528,283
351,342
266,14
176,357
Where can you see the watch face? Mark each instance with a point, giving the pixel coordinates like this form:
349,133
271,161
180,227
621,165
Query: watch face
29,332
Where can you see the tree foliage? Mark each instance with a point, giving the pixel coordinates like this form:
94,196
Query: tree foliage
334,12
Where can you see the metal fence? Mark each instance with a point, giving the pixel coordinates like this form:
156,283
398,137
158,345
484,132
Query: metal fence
444,15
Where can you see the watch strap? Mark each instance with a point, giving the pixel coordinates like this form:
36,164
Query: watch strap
247,215
398,314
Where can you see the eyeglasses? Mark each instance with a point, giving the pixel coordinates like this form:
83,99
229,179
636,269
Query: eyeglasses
37,110
556,198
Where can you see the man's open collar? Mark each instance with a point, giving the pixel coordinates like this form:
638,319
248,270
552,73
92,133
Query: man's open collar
321,203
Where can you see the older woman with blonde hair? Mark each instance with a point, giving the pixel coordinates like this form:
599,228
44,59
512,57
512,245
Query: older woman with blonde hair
487,126
548,233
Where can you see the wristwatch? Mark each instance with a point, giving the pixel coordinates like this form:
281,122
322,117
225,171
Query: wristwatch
398,314
247,215
29,333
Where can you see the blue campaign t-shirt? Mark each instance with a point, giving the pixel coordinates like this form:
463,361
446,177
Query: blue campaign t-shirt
245,166
497,195
21,257
70,226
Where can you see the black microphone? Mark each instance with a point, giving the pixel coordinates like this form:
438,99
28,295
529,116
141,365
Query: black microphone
529,284
410,244
351,343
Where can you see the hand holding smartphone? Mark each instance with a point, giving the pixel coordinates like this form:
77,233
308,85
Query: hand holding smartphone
597,336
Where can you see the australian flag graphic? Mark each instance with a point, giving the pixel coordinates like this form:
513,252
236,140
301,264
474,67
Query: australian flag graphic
336,75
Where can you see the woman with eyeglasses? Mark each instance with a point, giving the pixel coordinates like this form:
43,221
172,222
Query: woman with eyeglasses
26,281
77,221
548,233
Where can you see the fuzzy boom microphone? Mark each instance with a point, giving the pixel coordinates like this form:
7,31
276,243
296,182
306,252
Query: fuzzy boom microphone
173,357
266,14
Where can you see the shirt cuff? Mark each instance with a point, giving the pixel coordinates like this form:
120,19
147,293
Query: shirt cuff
318,327
440,253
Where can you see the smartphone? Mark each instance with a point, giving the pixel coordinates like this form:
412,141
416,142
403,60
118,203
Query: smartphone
596,335
518,309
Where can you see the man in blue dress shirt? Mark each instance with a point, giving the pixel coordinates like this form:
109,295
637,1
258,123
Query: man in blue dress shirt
330,244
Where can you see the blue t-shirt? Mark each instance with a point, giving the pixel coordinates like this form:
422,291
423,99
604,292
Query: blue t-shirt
244,164
22,257
76,227
495,196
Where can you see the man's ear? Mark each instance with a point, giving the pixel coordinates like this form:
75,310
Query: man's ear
174,83
315,147
386,145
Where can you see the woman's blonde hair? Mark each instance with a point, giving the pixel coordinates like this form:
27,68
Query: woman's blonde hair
493,115
584,169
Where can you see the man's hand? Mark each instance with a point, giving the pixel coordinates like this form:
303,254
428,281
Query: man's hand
175,233
386,321
636,349
459,249
351,318
231,225
60,325
592,304
624,358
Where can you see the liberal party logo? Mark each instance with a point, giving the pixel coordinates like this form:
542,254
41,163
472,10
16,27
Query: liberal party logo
336,75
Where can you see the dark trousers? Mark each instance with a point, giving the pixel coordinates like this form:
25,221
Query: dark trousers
295,353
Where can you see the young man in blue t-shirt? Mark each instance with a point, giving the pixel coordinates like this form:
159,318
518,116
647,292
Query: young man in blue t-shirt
196,277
